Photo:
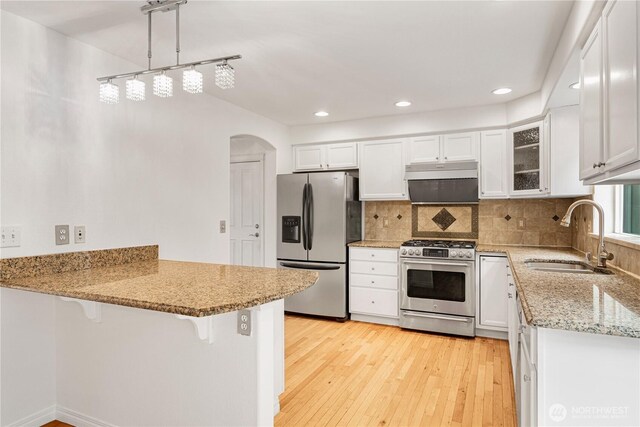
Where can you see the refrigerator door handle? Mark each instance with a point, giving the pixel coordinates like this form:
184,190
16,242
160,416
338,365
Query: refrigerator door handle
308,267
310,215
304,217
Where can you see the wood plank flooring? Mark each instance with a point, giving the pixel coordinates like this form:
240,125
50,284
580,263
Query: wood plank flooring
360,374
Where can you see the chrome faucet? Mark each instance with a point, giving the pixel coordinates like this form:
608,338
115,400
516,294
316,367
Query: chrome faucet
603,255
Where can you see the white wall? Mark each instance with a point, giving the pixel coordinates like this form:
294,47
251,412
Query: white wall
491,116
133,173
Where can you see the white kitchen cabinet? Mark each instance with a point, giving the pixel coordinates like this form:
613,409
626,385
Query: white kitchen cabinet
619,20
342,156
591,137
373,285
528,161
325,156
609,147
423,149
513,323
493,289
493,165
458,147
382,170
562,131
309,157
527,390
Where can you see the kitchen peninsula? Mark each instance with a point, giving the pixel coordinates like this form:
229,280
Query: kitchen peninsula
101,338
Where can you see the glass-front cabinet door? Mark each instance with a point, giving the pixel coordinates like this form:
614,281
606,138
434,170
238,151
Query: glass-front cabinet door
528,159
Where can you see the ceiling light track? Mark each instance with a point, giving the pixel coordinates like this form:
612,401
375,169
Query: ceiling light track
163,84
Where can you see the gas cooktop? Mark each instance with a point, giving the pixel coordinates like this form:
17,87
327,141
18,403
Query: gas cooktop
438,249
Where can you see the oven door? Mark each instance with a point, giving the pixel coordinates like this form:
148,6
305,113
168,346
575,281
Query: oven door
438,286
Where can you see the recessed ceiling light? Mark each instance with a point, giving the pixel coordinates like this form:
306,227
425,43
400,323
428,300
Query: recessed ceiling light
575,85
403,103
321,114
501,91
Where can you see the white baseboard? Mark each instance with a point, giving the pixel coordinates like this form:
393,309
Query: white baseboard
276,406
36,420
375,319
488,333
77,419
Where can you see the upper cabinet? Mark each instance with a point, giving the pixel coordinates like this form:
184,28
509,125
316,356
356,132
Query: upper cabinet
382,170
609,146
458,147
527,160
493,165
325,156
423,149
591,105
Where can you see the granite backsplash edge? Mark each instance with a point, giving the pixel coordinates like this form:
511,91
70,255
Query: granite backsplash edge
30,266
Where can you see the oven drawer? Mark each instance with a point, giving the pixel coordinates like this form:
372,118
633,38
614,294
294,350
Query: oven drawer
375,268
374,254
372,281
378,302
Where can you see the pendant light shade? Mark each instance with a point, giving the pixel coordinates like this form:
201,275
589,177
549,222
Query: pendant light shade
162,85
135,89
192,81
109,92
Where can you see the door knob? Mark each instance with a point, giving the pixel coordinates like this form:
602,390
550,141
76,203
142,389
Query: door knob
255,235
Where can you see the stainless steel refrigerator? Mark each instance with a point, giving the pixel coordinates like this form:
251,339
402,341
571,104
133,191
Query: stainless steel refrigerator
318,215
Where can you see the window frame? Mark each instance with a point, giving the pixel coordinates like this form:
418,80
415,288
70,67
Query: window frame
618,223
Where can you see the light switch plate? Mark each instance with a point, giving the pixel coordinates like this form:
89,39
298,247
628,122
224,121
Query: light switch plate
80,234
244,322
62,235
223,226
10,236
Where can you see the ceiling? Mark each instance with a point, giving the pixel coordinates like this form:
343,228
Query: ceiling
353,59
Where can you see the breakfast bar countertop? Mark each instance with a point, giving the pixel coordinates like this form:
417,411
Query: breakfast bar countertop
186,288
596,303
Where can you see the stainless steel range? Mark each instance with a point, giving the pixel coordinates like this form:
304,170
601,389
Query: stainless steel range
438,286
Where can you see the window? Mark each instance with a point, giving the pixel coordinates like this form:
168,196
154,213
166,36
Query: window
631,209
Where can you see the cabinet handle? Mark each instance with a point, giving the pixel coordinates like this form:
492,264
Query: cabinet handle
509,294
595,165
327,164
373,269
527,378
373,282
437,158
601,164
373,302
483,192
320,164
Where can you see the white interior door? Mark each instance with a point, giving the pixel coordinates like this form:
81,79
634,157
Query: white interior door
246,213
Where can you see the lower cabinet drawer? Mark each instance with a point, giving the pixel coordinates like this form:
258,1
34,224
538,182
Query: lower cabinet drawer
374,254
371,281
367,267
377,302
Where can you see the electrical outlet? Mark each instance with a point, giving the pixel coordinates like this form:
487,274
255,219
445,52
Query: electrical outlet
385,222
10,237
223,226
521,223
244,322
80,233
62,234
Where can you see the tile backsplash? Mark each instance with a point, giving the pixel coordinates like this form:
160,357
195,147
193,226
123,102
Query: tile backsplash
529,222
532,222
626,254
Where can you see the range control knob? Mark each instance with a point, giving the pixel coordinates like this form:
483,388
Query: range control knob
403,252
453,254
468,254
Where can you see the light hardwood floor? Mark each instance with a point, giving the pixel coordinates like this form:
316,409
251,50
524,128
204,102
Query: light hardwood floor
360,374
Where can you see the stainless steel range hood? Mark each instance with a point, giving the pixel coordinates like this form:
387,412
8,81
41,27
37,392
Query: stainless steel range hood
443,183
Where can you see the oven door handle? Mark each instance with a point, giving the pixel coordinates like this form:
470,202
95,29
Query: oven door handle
445,264
433,316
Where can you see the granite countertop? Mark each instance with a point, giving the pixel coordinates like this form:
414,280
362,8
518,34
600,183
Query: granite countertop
596,303
390,244
187,288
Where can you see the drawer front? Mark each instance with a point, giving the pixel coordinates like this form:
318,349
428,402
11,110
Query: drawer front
374,254
372,281
375,268
378,302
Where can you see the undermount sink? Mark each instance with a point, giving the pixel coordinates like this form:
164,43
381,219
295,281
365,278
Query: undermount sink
560,266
